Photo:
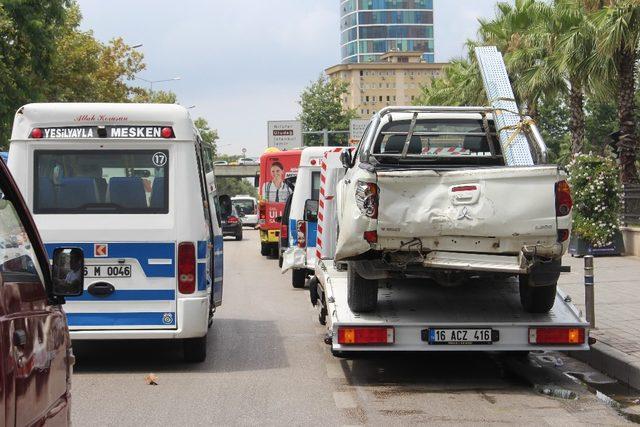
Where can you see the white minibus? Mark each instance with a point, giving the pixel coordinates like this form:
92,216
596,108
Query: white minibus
132,185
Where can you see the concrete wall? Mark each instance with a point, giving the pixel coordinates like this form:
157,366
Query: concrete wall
631,236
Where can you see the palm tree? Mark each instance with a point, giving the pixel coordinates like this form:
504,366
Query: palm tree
571,52
618,39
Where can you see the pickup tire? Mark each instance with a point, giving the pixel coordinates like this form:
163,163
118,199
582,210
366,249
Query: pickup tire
535,298
195,349
298,277
362,294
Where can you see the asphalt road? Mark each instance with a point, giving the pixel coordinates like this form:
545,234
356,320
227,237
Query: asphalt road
267,365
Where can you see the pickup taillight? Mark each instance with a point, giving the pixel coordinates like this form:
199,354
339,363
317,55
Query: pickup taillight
564,202
284,231
301,228
367,198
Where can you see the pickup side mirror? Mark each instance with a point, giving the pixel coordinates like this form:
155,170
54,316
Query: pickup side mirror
68,272
346,159
225,205
311,210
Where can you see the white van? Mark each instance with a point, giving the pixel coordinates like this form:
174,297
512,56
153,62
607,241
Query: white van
132,185
248,206
300,257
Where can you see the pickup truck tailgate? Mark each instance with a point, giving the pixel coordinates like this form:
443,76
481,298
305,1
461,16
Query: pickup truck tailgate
481,202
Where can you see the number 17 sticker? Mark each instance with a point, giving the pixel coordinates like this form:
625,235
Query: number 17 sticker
159,159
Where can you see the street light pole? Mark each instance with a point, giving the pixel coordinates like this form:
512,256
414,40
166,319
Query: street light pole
151,82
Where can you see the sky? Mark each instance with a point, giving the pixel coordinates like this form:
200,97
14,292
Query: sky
243,63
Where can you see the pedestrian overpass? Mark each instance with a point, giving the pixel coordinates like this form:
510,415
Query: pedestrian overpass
237,171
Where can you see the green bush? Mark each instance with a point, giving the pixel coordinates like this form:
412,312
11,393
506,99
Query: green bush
595,187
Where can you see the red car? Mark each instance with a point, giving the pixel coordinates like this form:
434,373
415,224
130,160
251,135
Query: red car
36,357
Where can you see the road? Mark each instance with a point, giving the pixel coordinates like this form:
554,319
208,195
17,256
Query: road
267,365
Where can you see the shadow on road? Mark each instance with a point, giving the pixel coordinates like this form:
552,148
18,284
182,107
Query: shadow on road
233,345
422,372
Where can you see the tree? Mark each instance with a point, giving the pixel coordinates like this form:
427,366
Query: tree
461,84
155,97
29,30
235,186
208,135
618,40
321,104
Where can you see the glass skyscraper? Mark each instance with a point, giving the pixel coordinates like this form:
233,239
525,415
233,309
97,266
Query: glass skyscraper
370,28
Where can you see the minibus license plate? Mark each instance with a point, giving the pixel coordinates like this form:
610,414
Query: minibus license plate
107,271
452,336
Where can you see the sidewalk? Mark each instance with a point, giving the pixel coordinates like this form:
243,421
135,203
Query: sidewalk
617,309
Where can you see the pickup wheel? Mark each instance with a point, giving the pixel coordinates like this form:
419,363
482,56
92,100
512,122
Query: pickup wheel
536,299
195,349
362,294
298,278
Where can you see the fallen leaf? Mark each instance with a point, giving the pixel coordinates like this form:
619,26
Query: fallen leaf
151,379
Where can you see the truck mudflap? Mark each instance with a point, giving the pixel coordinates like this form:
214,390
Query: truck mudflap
417,315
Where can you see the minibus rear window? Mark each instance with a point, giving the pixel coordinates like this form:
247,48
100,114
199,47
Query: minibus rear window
101,182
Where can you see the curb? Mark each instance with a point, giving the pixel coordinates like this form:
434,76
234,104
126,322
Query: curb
612,362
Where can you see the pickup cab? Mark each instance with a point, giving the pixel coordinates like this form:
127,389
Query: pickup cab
36,358
427,195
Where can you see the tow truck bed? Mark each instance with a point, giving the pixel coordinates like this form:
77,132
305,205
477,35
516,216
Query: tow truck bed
413,308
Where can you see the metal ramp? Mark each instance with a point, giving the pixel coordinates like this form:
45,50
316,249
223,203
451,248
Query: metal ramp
509,123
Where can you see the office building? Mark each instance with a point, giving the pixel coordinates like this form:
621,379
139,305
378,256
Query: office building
371,28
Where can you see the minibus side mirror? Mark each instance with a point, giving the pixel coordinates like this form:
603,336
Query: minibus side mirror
311,210
225,205
279,219
256,181
67,273
346,159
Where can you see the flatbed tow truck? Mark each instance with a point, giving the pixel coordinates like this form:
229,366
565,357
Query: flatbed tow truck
482,316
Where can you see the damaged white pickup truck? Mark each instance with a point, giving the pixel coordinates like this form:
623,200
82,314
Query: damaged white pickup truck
427,195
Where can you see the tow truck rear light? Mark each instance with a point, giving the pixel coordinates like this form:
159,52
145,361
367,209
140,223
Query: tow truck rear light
232,220
186,268
557,336
367,198
370,335
564,202
301,228
36,133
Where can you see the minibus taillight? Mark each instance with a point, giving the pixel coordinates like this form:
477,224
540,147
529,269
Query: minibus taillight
301,228
167,133
186,268
36,133
262,209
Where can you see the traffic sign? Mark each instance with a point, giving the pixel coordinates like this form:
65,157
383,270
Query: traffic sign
285,134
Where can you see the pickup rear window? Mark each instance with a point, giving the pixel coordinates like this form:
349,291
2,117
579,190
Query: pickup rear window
101,182
442,140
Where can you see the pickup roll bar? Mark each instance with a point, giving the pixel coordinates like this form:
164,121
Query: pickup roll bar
433,109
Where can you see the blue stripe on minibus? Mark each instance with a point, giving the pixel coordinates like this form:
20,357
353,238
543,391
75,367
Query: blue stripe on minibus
122,319
143,252
202,249
129,295
202,276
